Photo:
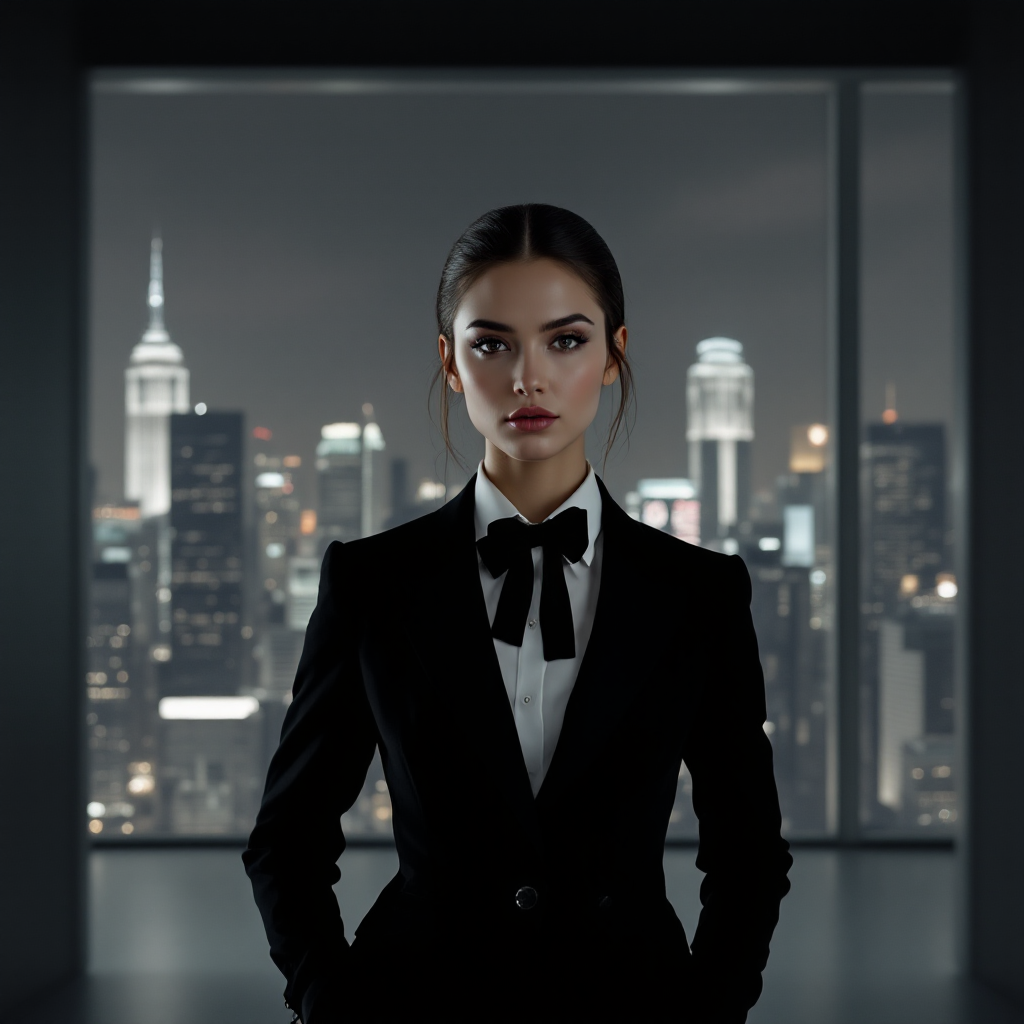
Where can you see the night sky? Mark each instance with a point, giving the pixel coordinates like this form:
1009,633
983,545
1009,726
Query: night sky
304,235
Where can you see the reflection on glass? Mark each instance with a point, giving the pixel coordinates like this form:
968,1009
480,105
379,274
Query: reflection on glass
909,589
302,240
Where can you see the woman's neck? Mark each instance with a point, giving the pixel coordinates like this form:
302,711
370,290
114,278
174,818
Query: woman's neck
537,488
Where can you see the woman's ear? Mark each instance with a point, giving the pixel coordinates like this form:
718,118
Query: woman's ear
611,369
447,354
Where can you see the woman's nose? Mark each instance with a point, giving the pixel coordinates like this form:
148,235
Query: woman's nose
529,378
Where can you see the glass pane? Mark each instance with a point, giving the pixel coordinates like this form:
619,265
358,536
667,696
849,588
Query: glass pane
909,586
301,238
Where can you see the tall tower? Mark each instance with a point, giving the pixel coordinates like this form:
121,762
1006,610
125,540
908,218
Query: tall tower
349,480
719,430
156,385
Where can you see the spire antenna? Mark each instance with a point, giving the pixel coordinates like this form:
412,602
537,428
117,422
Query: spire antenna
156,284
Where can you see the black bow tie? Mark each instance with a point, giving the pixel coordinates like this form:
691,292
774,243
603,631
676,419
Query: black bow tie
507,548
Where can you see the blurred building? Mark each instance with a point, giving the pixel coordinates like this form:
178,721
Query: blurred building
156,385
349,481
789,608
904,516
206,555
719,433
212,774
120,677
115,709
908,616
211,738
669,504
405,506
277,522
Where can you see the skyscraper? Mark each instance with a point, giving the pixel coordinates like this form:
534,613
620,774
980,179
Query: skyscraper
719,431
349,480
908,614
156,385
904,489
206,555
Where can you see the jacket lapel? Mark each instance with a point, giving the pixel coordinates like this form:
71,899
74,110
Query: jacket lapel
472,677
606,682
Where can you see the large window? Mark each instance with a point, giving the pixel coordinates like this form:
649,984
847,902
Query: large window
295,229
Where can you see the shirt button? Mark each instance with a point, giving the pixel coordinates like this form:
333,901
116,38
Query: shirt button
526,897
532,623
526,700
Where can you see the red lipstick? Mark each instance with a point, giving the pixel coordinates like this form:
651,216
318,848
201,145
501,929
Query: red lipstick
531,417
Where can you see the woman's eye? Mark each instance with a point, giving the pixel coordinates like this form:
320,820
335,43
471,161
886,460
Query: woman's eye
488,344
568,342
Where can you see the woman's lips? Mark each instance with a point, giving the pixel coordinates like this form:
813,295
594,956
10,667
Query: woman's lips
528,423
530,419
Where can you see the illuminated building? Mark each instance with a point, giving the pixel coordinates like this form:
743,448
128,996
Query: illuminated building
908,613
211,772
156,385
668,504
788,608
928,783
277,525
115,707
904,518
349,481
719,433
429,496
206,586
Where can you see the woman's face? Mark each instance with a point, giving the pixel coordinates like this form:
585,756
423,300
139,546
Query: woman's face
529,354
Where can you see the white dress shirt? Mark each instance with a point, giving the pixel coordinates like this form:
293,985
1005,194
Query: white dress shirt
539,690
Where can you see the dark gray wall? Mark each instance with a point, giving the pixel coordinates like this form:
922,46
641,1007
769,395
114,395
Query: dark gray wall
41,508
995,594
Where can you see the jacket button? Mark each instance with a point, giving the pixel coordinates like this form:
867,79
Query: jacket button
526,897
604,903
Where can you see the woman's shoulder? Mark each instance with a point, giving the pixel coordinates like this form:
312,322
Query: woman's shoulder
669,556
408,544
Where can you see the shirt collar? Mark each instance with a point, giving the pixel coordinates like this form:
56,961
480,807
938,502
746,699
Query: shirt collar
491,504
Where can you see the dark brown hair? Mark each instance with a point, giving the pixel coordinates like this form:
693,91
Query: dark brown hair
533,231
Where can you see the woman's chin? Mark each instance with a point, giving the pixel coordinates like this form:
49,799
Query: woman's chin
530,448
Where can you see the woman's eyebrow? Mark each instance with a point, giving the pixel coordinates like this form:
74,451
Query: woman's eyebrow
566,320
552,325
489,325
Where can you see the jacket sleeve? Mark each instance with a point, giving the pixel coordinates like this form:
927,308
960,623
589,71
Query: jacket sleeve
741,851
327,742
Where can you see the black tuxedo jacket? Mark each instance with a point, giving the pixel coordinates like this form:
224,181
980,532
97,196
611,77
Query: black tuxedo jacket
398,654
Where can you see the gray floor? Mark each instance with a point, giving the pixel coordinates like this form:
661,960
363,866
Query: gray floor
866,937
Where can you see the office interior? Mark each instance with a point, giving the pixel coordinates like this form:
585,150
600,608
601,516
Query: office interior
882,923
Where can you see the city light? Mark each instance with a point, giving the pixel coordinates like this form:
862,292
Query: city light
817,434
141,785
769,543
430,490
207,708
262,433
946,585
341,432
270,480
95,809
200,408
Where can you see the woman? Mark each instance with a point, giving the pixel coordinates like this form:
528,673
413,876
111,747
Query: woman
534,666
